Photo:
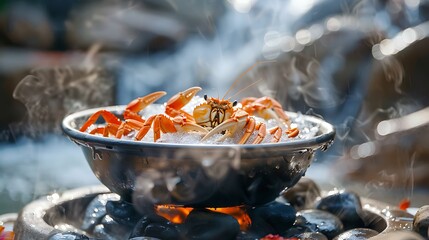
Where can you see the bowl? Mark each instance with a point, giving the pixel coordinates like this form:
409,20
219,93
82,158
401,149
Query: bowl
196,175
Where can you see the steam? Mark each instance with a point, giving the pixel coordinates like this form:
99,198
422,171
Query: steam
32,168
49,94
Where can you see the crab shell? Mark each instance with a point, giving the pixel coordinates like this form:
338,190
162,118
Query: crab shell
213,112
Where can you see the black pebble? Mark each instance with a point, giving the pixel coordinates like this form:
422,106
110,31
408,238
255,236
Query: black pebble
320,221
123,212
205,224
357,233
96,210
155,226
279,216
346,206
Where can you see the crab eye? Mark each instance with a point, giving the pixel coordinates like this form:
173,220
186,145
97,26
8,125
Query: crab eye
205,97
234,103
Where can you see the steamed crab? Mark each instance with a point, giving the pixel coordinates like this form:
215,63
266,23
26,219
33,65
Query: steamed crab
212,116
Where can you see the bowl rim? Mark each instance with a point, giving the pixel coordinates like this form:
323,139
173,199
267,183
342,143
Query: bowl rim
324,140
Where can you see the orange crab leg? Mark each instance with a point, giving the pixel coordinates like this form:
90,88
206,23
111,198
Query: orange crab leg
175,104
128,125
146,127
262,132
282,115
276,133
107,116
292,132
138,104
231,125
266,107
108,129
166,124
250,127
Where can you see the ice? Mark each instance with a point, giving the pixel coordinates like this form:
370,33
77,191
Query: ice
307,130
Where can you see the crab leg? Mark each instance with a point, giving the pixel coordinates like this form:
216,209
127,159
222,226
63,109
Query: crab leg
165,124
175,104
108,117
128,125
250,127
262,132
276,133
138,104
267,108
108,129
230,126
182,124
146,127
292,132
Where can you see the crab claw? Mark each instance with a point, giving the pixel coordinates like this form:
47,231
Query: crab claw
178,101
140,103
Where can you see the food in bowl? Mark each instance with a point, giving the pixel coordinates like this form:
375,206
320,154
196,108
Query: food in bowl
187,117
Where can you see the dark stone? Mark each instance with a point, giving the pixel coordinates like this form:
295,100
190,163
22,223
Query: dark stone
96,210
68,236
205,224
421,221
155,226
260,227
320,221
297,230
346,206
279,216
115,229
303,194
123,212
357,233
165,231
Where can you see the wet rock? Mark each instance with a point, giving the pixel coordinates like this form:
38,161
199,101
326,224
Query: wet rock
68,236
297,230
115,229
100,233
346,206
205,224
320,221
157,227
123,212
303,194
96,210
357,234
421,221
398,235
278,216
260,227
312,236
